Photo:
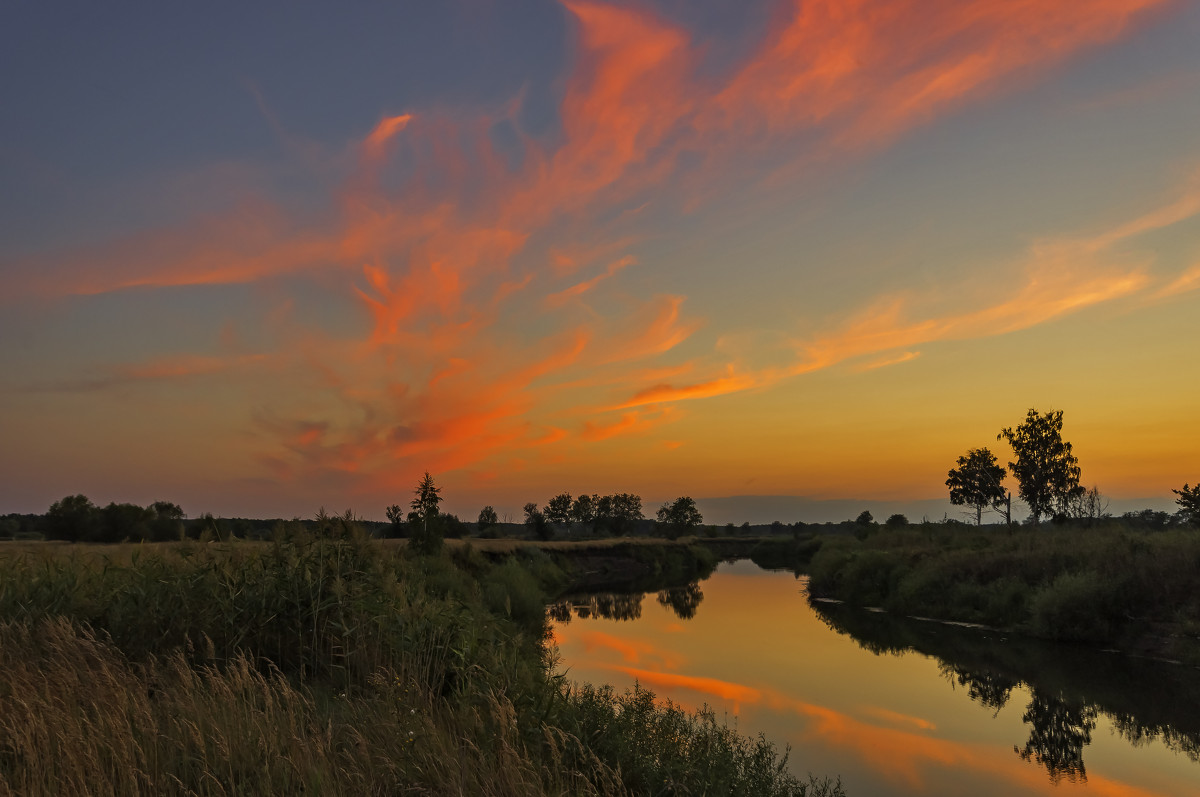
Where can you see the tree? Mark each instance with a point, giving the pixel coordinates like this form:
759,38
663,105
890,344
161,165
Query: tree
426,498
558,509
167,523
865,518
124,521
536,522
451,526
396,516
679,518
976,482
583,509
425,535
895,521
602,518
73,518
1046,471
626,512
1189,504
487,519
1089,505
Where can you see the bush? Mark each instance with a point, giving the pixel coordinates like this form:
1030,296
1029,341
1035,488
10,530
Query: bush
1076,607
658,748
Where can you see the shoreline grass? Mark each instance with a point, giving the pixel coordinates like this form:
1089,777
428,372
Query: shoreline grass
325,666
1111,584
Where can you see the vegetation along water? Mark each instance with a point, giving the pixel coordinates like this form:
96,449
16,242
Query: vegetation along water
327,664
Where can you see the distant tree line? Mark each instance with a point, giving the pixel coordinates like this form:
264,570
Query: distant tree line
1045,468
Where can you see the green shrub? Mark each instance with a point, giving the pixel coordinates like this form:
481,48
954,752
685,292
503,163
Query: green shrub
658,748
870,577
1076,607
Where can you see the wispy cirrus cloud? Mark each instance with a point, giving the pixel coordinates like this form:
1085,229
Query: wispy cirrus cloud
492,283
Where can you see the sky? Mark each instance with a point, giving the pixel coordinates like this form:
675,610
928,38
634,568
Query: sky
258,260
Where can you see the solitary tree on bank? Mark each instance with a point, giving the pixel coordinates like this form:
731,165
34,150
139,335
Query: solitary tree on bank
679,518
976,482
426,533
1046,471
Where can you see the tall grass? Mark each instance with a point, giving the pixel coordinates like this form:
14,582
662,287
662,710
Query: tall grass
322,666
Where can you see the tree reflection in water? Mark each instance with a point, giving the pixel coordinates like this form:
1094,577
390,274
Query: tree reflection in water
606,605
683,601
988,688
1069,687
1058,729
1058,733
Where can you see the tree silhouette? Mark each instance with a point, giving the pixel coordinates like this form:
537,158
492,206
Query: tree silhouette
1046,471
976,482
487,518
536,521
583,508
167,522
627,511
558,509
1189,504
395,516
680,517
73,518
423,521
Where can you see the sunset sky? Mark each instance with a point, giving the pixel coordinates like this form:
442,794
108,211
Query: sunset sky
257,260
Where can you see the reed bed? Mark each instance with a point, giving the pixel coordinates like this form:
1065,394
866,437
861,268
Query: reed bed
323,666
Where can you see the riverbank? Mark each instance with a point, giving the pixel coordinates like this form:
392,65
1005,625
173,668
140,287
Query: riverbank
331,666
1111,585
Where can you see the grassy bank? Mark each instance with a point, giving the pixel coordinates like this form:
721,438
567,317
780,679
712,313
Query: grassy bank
1112,584
325,667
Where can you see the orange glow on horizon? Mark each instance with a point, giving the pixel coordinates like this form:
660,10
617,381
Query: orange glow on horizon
506,306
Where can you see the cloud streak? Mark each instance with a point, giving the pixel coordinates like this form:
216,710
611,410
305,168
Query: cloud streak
499,321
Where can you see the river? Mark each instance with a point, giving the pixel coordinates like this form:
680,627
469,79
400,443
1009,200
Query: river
893,706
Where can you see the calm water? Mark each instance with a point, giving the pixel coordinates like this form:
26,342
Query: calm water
895,707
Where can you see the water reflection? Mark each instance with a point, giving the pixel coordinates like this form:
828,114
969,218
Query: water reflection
683,601
625,606
1069,687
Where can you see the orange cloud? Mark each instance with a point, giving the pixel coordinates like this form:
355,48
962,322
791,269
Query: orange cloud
578,289
472,350
378,138
637,422
658,394
871,70
884,362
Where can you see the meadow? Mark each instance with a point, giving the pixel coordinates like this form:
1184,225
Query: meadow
328,665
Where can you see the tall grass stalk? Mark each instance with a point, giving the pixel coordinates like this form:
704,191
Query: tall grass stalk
321,666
